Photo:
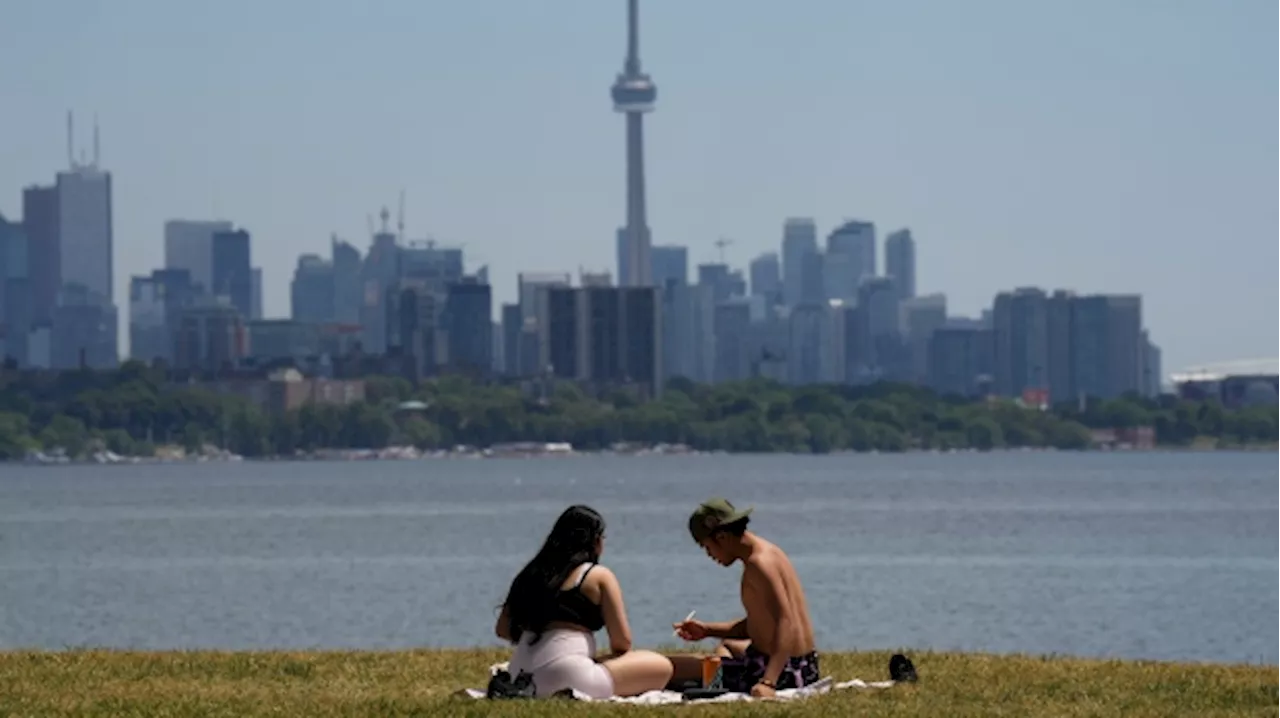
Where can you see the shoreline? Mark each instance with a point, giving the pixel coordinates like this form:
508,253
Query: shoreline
422,682
409,453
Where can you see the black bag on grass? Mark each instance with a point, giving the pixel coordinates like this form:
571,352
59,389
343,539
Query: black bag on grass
503,687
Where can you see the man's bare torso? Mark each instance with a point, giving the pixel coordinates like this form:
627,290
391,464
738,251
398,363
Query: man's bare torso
762,624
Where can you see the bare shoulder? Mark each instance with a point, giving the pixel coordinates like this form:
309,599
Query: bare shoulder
600,571
764,559
601,576
769,559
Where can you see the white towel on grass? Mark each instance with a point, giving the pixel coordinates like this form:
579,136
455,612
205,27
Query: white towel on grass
657,698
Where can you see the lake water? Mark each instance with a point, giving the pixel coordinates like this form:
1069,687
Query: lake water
1168,556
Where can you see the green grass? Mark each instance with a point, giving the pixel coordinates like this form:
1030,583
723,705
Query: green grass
419,683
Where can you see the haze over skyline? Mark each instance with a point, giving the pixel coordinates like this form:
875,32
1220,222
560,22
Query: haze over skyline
1093,146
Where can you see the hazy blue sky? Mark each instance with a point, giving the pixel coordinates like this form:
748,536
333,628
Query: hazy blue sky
1100,145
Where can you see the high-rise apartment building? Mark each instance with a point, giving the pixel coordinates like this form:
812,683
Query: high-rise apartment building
670,265
766,278
311,293
346,282
878,334
921,317
960,359
799,257
852,246
900,262
1108,349
1020,336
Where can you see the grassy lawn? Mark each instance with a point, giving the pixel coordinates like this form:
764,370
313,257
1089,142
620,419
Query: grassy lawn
419,683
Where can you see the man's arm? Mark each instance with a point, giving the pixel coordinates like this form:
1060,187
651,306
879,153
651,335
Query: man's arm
728,629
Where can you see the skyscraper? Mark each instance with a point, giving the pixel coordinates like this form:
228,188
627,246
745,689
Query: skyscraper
346,282
1108,349
851,254
311,294
84,322
255,299
634,94
766,278
604,336
188,244
467,324
233,270
799,246
84,222
44,269
670,264
15,292
900,262
1020,336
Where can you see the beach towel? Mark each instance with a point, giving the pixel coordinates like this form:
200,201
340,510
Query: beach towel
656,698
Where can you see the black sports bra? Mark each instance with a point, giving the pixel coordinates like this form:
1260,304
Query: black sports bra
573,606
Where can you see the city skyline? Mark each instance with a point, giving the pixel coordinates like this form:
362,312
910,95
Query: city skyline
1127,238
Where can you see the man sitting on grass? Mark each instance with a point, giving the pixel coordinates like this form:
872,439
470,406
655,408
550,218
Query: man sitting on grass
772,648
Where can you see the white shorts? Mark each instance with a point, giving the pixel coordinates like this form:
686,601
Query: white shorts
562,658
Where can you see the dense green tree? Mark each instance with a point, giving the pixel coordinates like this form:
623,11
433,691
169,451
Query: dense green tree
130,410
14,438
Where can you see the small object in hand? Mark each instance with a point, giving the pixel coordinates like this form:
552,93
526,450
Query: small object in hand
710,671
901,669
687,618
503,687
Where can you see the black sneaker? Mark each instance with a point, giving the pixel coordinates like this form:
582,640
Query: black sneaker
503,687
901,669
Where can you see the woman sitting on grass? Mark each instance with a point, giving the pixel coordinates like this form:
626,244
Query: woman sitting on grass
556,604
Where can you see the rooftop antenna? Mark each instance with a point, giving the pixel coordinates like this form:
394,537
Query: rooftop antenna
96,146
400,218
71,154
385,214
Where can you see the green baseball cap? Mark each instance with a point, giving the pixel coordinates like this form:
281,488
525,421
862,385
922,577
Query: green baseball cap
711,515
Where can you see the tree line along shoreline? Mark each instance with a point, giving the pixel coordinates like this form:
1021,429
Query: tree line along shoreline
135,411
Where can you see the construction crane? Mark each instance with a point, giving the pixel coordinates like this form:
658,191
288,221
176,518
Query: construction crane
720,245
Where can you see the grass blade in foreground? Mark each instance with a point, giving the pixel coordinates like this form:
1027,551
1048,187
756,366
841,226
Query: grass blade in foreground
419,683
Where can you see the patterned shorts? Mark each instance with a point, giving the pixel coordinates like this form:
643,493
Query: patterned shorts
738,675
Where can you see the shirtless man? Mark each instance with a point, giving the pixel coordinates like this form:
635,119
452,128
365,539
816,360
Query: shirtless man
772,648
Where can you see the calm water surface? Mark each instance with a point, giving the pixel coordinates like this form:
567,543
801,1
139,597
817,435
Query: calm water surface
1170,556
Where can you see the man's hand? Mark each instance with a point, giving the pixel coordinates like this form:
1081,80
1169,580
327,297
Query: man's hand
691,630
760,690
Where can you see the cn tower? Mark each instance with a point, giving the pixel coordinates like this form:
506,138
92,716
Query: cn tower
633,95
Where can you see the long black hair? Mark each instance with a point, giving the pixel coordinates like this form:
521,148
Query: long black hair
531,600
